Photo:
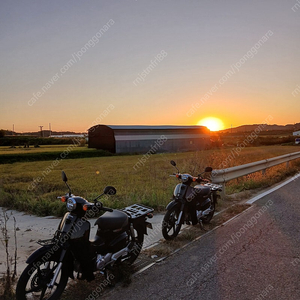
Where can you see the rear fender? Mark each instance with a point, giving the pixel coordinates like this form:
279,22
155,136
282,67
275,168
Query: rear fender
141,223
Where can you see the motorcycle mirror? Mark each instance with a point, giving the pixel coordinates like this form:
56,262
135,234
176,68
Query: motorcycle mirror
208,169
173,163
64,176
109,190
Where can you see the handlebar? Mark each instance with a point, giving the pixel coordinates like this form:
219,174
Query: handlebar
101,207
195,179
107,209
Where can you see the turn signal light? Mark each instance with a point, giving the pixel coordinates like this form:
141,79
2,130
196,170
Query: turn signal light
63,199
85,207
177,175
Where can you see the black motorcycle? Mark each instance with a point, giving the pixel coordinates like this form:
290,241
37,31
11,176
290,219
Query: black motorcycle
119,239
190,204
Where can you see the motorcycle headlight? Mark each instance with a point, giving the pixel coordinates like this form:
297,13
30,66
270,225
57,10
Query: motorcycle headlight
184,177
71,204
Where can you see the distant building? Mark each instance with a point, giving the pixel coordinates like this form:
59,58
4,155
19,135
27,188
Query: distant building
296,133
45,133
142,139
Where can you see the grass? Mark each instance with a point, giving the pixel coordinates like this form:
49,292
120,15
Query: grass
33,186
57,152
42,148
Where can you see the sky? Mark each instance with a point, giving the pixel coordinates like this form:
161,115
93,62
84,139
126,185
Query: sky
75,64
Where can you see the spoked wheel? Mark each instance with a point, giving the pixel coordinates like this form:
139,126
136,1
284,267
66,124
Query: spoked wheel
206,219
33,283
169,227
135,245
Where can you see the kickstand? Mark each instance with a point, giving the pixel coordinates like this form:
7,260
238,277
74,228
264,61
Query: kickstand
201,225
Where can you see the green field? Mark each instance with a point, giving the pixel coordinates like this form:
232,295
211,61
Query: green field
42,148
149,183
10,155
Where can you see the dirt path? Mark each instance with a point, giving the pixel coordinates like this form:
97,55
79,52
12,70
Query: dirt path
29,230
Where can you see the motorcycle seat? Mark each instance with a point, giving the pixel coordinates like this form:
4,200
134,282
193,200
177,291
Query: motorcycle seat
202,190
112,220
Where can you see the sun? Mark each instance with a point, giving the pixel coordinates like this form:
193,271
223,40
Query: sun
213,124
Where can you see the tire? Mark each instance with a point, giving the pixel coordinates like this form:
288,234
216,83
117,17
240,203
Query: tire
206,219
33,281
137,244
169,228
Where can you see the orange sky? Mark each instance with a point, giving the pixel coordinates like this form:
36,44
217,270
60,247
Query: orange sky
151,62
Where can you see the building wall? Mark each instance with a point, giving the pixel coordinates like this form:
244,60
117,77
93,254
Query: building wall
162,145
101,137
296,133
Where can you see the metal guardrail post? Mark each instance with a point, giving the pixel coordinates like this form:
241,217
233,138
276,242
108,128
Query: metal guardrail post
223,193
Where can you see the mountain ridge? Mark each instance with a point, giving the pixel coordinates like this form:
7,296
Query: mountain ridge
263,127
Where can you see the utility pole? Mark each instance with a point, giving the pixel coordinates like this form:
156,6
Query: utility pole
41,127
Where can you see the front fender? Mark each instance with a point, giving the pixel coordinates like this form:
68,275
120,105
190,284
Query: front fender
172,204
44,253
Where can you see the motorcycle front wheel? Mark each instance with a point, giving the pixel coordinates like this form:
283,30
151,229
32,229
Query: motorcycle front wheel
169,227
33,283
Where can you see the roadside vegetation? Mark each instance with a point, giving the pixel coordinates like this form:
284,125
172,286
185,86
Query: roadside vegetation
9,277
34,186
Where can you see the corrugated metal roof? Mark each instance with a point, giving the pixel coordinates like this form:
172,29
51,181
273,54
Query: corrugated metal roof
162,127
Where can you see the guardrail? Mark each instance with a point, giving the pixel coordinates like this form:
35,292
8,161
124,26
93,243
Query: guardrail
224,175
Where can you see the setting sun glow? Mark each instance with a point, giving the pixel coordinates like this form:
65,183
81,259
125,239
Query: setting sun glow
213,124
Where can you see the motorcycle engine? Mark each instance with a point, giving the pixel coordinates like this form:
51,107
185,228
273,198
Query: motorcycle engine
102,261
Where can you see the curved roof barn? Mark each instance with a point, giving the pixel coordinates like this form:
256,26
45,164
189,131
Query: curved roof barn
141,139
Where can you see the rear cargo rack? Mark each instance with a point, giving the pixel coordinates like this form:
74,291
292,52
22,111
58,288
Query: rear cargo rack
137,210
214,186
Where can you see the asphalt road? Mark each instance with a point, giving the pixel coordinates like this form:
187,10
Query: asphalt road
253,257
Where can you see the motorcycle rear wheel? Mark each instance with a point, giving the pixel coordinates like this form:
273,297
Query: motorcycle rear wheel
137,244
169,228
206,219
33,281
